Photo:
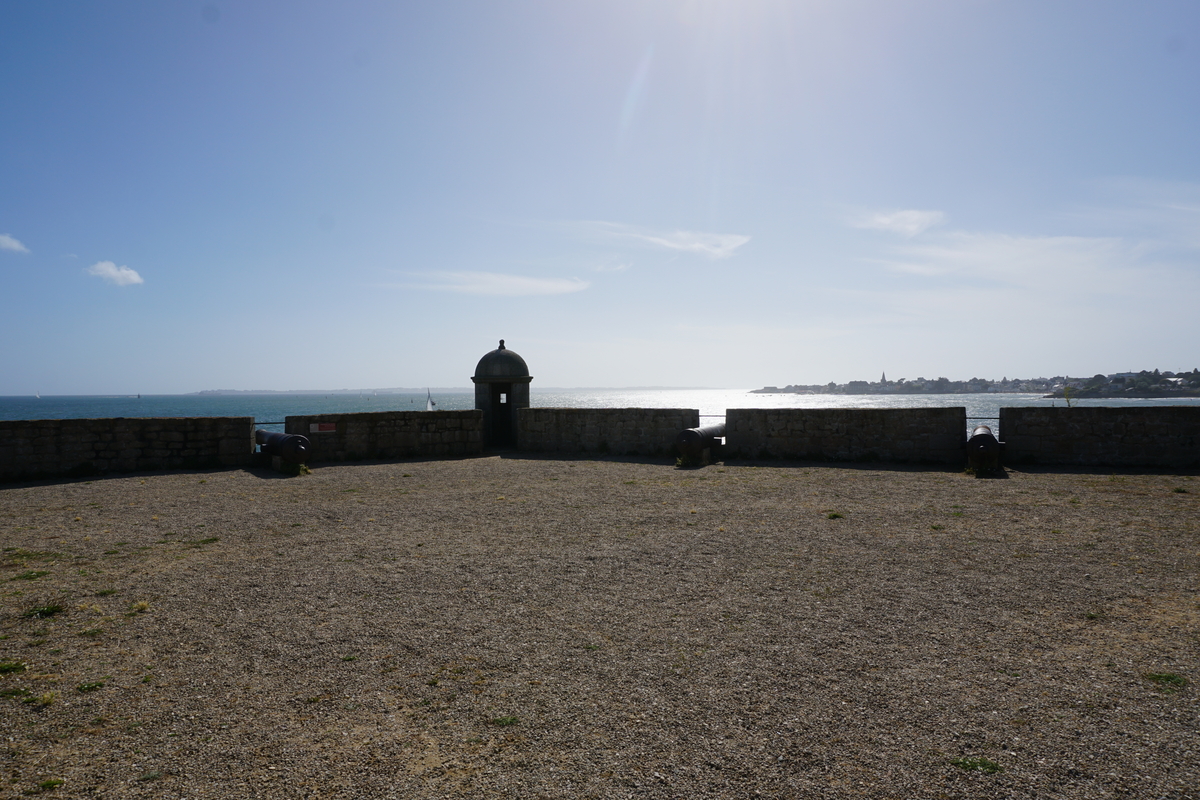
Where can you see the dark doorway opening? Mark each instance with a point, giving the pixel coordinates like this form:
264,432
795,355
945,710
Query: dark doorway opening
503,434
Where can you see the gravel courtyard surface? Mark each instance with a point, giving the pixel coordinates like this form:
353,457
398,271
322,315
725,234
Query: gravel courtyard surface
530,627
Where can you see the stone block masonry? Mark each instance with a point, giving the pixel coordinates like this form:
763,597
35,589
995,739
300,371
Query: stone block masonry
1166,436
32,449
613,431
930,435
390,434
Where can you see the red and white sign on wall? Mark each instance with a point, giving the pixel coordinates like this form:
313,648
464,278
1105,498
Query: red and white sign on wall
322,427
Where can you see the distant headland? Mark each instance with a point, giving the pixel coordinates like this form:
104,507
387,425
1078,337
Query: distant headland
1121,384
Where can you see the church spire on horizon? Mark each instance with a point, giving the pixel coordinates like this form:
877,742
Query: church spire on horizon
884,378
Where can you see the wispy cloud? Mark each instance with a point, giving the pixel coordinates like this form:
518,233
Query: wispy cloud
712,245
493,283
618,266
121,276
7,242
1043,264
909,222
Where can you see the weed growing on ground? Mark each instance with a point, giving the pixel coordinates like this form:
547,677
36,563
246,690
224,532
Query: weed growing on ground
139,607
1179,490
833,515
31,555
41,612
31,575
504,722
936,527
981,763
1167,681
47,785
89,687
10,667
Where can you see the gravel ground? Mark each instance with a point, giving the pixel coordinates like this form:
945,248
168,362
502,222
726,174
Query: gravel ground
533,627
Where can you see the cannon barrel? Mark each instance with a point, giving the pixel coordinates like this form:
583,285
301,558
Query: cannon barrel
288,446
983,450
692,442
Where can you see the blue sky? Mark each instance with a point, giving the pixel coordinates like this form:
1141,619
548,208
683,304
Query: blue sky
364,195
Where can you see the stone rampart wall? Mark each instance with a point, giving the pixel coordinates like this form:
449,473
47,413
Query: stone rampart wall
390,434
931,435
616,431
1166,436
57,447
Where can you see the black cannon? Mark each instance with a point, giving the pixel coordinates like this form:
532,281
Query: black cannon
288,446
983,450
692,442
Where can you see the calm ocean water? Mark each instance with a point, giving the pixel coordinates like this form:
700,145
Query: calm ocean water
712,403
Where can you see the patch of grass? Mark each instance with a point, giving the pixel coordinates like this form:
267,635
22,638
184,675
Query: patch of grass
41,612
11,667
1167,681
504,722
47,785
155,775
1094,615
105,592
15,692
31,555
91,632
1179,490
139,607
42,700
349,658
936,527
833,515
89,687
209,540
30,575
980,763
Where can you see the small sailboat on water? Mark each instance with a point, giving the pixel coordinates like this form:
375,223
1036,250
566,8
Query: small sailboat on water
429,404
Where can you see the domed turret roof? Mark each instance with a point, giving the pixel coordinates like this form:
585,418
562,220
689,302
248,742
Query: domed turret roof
501,363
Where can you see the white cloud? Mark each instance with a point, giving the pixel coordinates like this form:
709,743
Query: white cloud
712,245
620,266
121,276
9,243
492,283
1077,264
907,223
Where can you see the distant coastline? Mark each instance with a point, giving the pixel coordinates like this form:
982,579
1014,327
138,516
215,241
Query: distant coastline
1137,385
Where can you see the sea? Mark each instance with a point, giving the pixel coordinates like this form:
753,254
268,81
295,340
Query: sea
269,409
